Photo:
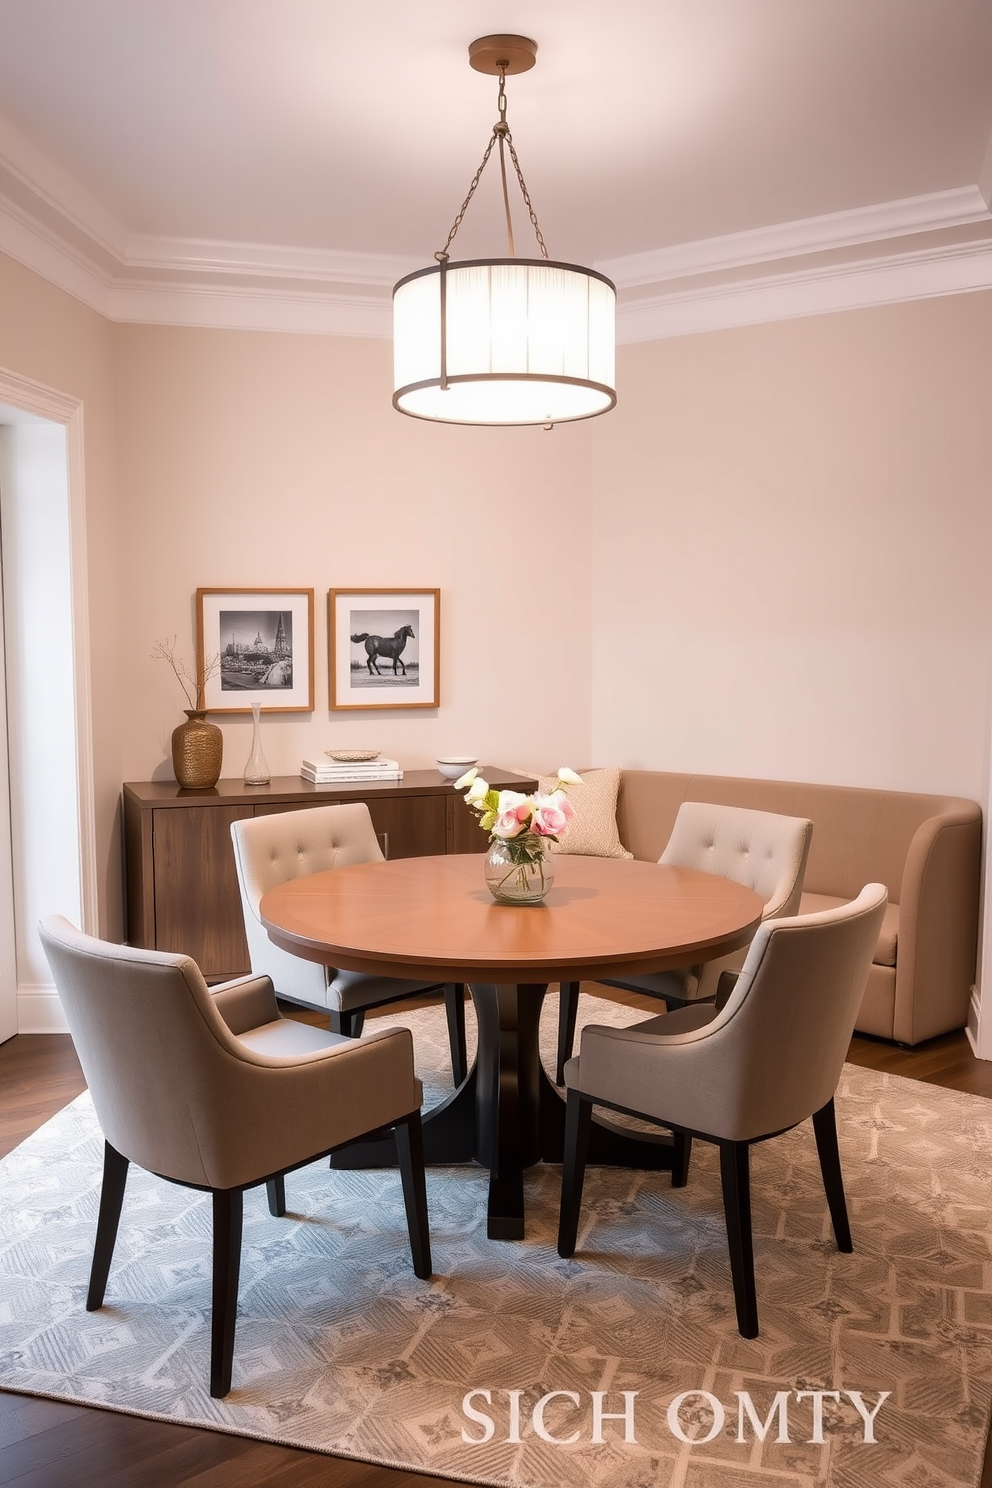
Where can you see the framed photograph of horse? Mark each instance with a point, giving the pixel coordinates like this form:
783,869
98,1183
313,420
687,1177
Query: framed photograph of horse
384,648
263,642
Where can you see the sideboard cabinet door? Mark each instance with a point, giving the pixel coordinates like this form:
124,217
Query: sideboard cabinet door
197,902
410,828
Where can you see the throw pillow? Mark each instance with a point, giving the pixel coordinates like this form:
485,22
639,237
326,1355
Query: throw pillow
593,829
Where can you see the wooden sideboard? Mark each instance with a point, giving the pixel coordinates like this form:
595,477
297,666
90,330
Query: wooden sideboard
181,888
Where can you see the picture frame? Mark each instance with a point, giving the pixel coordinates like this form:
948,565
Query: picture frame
384,648
263,640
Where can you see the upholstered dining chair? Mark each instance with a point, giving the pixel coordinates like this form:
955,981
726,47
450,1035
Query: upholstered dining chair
217,1091
765,1061
270,850
760,849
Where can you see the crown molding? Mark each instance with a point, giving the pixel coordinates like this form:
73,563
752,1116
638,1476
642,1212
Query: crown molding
264,261
912,214
928,274
49,193
130,278
241,308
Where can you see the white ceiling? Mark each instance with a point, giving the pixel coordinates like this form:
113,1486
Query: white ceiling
283,161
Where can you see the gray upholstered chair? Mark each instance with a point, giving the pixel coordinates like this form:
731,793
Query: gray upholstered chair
760,849
765,1061
270,850
217,1091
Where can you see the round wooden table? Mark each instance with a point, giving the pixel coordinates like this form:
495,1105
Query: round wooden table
434,919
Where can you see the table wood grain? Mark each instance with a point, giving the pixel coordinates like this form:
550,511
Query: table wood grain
435,918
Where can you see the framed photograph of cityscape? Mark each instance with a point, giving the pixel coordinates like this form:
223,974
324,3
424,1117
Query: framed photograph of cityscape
262,640
384,648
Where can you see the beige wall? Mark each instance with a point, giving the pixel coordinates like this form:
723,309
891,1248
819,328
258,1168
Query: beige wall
48,337
792,537
260,460
769,560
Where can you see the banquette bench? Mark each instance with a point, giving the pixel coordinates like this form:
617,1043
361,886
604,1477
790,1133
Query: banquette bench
925,849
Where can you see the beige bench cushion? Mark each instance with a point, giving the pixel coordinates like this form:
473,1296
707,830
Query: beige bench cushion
885,951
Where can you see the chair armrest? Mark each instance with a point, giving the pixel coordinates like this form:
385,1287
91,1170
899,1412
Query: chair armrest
938,926
724,987
247,1002
271,1112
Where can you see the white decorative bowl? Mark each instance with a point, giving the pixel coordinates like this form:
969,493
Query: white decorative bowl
352,756
452,766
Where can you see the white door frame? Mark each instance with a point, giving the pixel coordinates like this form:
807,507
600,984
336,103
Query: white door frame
47,403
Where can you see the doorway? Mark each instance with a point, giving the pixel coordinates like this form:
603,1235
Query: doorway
46,840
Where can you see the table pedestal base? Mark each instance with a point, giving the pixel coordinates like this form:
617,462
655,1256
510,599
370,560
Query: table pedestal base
507,1115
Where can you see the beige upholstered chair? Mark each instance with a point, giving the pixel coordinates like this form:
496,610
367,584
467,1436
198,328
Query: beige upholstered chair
770,1057
760,849
217,1091
269,851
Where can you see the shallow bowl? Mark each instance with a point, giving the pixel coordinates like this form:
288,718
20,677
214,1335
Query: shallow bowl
352,756
454,765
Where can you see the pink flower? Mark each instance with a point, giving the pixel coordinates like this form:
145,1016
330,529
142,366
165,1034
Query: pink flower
552,815
508,824
559,799
514,814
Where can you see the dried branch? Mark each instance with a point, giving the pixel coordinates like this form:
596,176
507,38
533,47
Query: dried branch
193,685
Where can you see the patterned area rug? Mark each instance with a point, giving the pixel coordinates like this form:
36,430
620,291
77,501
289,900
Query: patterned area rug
620,1367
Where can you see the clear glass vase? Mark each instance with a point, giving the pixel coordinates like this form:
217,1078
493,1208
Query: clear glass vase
521,870
256,770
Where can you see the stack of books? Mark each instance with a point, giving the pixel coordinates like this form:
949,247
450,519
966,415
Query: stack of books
324,771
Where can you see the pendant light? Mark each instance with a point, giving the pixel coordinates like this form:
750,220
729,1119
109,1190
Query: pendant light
503,341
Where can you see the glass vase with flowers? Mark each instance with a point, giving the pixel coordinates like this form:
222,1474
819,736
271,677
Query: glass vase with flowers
519,867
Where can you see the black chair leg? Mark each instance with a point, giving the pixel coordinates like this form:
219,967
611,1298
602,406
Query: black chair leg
454,1007
228,1206
578,1127
275,1188
825,1131
568,1007
410,1151
736,1179
681,1153
111,1199
349,1024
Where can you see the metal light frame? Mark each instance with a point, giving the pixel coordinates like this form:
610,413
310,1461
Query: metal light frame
504,341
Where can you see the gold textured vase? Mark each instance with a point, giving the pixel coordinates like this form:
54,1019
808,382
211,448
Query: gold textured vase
197,751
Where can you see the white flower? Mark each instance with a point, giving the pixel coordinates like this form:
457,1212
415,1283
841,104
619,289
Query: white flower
567,776
512,801
467,778
477,792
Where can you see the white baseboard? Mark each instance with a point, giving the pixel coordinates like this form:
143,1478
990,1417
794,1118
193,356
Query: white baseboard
39,1010
974,1027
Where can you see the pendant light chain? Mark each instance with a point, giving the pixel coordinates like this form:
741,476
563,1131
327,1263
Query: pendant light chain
501,132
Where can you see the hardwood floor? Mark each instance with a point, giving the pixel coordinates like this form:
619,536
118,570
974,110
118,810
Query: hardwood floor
47,1444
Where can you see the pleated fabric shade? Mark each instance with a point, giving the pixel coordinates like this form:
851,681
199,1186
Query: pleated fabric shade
504,341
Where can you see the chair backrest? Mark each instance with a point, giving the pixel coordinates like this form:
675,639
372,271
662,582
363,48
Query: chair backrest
787,1025
162,1066
760,849
270,850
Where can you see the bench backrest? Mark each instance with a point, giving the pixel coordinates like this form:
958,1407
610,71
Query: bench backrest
859,836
